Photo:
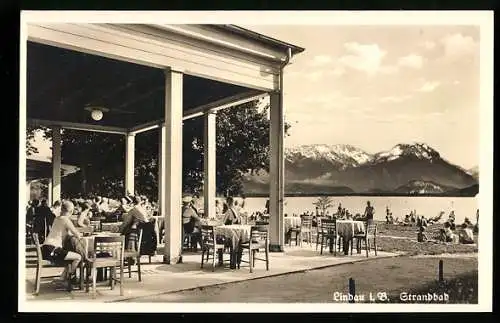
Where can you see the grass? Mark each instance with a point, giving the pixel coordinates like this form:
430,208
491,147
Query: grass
462,289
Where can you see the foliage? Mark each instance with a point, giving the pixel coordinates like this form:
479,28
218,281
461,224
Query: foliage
242,146
324,203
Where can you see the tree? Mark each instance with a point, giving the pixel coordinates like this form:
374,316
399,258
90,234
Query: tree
242,139
323,203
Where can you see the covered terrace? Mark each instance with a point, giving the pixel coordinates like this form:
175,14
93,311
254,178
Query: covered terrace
126,79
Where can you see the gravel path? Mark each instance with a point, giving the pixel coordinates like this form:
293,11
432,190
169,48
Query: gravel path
391,275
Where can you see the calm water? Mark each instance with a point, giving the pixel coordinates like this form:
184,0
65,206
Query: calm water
427,206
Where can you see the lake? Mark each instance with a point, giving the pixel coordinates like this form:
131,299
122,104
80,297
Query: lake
399,205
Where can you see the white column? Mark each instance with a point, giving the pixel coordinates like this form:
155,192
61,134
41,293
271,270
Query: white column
129,163
276,172
209,164
50,200
171,167
56,163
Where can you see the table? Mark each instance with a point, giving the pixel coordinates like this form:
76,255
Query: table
89,241
111,226
347,229
237,234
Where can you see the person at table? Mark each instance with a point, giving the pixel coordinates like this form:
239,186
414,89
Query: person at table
369,212
84,216
232,215
339,210
218,210
52,248
190,220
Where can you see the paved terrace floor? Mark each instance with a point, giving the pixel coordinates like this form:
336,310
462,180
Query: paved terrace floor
159,278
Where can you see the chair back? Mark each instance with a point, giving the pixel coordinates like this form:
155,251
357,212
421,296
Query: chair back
259,234
137,241
96,225
328,226
34,236
114,246
371,230
207,236
306,222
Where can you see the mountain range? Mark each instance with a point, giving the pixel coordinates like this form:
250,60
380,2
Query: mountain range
405,169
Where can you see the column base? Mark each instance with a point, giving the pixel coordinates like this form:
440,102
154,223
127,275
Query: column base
276,248
172,260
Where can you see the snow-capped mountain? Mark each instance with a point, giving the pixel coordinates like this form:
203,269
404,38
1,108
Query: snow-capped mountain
417,150
405,168
347,155
474,172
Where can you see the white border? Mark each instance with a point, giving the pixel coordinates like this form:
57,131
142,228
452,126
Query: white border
484,19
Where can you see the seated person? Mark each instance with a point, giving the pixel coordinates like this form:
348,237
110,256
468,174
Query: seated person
467,222
466,235
190,219
231,216
84,216
448,235
421,236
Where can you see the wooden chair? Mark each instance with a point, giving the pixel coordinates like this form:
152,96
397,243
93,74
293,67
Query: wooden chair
328,234
306,229
210,246
135,254
294,235
42,263
259,239
369,235
115,248
96,225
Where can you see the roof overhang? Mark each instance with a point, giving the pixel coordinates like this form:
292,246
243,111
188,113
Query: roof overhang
223,53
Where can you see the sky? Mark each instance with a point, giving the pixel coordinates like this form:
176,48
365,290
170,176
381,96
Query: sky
376,86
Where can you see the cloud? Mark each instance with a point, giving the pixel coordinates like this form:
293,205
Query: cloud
456,45
320,60
395,99
314,76
363,57
429,45
411,61
429,86
337,71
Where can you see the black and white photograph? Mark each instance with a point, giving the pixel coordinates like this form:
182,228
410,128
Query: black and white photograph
224,161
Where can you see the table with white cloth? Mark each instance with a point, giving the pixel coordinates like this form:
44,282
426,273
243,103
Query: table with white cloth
346,229
236,234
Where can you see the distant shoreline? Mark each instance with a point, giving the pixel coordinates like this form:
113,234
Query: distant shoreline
257,195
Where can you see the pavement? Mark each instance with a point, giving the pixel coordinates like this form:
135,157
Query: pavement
159,278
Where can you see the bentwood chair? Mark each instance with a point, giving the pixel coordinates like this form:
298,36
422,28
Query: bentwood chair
370,235
328,234
133,252
306,229
210,247
259,239
108,253
43,263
